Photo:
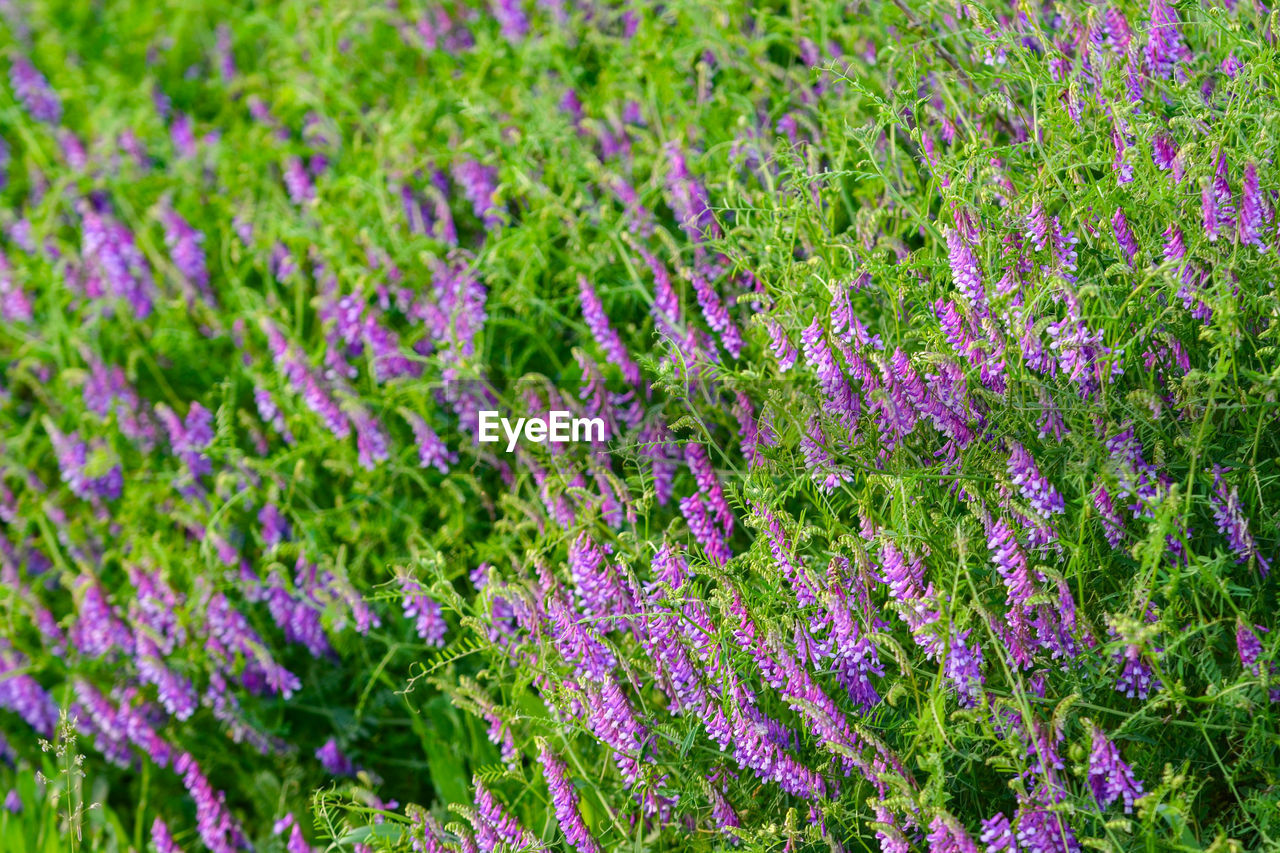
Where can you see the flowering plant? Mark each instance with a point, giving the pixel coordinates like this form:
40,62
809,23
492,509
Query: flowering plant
932,347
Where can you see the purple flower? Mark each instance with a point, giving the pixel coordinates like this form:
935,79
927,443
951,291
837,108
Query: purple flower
185,250
90,471
23,695
270,413
946,835
1010,562
190,441
297,182
1112,524
1252,210
427,613
432,451
1164,151
965,271
176,693
33,90
274,527
182,134
372,446
564,801
495,826
614,723
333,760
1124,236
226,60
1136,679
1033,485
1230,519
608,339
511,18
479,185
704,529
1121,166
112,258
1249,645
1210,214
162,838
688,198
964,669
1109,777
1164,39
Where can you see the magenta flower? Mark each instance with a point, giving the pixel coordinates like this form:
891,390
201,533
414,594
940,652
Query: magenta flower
965,271
1252,210
564,801
1165,48
1034,486
1109,777
427,613
333,760
1124,236
1228,515
1249,646
34,91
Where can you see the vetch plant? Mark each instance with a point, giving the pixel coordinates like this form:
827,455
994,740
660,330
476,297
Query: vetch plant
495,426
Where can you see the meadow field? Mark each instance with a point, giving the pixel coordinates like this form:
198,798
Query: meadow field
928,359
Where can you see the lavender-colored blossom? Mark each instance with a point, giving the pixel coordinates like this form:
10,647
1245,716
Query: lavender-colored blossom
297,182
1109,777
965,271
964,669
271,414
780,344
997,834
333,760
1121,165
1165,48
479,185
564,801
1010,561
89,470
1228,515
162,838
1034,486
432,451
23,695
185,250
274,528
1136,679
1112,524
34,91
704,529
1252,210
176,693
688,198
427,613
113,262
495,826
947,835
1124,236
511,18
1249,645
608,339
182,134
16,304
